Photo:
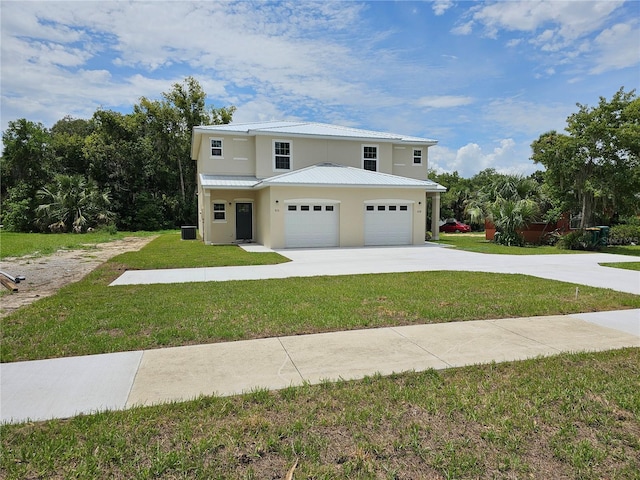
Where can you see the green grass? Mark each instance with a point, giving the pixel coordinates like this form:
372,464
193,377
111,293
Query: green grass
570,416
476,242
632,250
89,317
169,251
623,265
20,244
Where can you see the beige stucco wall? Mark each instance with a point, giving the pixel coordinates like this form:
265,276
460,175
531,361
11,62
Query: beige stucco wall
351,207
263,211
403,165
238,156
219,232
253,156
269,207
306,152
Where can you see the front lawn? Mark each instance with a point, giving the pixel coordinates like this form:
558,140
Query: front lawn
90,317
169,251
573,416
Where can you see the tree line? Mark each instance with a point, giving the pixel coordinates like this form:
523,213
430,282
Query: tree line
592,172
128,171
134,171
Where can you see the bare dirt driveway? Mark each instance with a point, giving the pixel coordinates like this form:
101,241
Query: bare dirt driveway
45,275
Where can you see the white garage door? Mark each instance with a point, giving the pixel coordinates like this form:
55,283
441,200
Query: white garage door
311,225
388,224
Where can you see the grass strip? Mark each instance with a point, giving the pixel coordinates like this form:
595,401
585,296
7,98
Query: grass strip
569,416
476,242
623,265
89,317
19,244
169,251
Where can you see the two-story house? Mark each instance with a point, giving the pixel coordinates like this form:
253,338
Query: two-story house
302,184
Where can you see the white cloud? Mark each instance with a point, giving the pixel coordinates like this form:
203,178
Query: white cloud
441,6
506,157
463,28
571,20
617,47
571,33
444,101
514,116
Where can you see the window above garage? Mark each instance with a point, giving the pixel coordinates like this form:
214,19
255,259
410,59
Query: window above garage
370,157
281,155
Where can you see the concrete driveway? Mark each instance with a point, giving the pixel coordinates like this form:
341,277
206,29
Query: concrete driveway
582,269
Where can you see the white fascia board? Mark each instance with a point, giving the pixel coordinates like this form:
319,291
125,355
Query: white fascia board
267,133
425,188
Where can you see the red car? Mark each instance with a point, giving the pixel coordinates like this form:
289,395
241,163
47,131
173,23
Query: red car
454,226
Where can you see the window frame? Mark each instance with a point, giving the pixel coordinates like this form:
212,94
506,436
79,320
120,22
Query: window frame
419,157
211,147
365,159
223,211
275,156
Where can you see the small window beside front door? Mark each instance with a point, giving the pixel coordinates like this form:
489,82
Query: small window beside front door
219,212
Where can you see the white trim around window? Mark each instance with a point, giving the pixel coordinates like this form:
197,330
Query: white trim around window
216,150
219,209
370,157
282,155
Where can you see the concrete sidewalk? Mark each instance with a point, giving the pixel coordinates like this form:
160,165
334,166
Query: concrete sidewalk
582,269
63,387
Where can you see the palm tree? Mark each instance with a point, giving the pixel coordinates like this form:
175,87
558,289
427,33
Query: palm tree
510,202
72,203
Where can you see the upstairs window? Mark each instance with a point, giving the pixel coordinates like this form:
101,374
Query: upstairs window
282,155
370,157
216,147
417,156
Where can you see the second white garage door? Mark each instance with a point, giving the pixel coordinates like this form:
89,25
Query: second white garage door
311,225
388,224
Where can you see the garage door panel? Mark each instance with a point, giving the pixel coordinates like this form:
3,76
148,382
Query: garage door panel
388,224
311,226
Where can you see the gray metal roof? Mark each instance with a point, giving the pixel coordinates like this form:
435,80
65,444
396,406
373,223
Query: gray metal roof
330,174
323,174
311,129
228,181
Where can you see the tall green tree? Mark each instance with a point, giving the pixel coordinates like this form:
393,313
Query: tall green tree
68,136
169,125
453,201
26,164
594,169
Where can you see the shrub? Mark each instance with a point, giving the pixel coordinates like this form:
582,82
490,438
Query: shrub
624,235
579,240
510,239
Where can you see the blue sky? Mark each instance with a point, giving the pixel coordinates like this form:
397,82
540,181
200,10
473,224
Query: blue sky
485,79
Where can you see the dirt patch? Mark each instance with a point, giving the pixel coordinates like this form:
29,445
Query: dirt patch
45,275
